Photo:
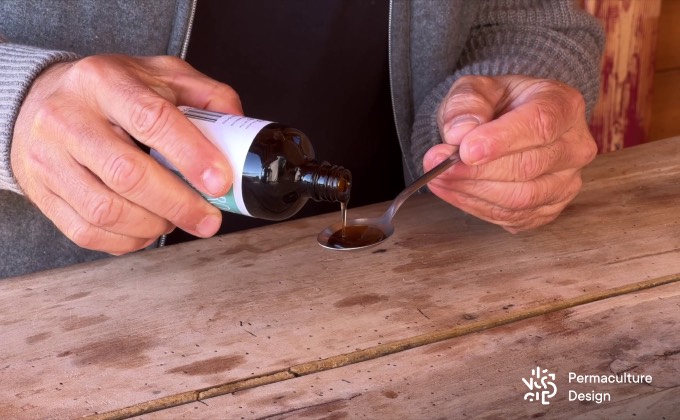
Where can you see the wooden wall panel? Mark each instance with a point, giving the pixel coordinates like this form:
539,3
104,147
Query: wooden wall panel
622,116
667,51
665,103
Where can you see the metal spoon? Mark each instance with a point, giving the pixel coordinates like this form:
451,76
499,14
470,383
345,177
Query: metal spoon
362,233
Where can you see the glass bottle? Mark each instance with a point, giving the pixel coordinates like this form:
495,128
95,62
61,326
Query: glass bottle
275,171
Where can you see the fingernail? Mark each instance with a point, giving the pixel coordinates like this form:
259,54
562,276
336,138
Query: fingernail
464,120
214,181
209,226
459,127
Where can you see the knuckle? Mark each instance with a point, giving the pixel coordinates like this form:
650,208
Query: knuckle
186,214
125,173
94,68
461,103
463,96
559,100
82,234
36,161
473,82
589,151
48,117
87,64
222,90
570,98
501,214
524,197
103,210
469,96
577,102
178,211
169,61
465,86
47,203
473,87
56,119
573,188
546,123
149,119
528,165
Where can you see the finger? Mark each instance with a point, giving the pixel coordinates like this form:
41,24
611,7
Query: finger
129,172
471,101
148,117
437,154
511,220
544,190
193,88
83,234
51,170
535,119
100,206
524,166
511,204
161,126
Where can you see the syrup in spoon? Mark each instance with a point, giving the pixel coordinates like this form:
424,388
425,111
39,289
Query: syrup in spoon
362,233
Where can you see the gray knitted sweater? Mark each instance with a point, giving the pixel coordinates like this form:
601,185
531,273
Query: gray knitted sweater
432,43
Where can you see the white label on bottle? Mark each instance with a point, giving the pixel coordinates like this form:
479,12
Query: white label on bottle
233,135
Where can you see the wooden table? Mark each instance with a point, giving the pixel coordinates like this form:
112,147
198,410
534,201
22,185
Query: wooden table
448,319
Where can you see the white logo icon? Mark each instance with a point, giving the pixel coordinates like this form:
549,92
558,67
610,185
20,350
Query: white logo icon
541,386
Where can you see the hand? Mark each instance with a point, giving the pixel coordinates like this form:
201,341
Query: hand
523,142
74,157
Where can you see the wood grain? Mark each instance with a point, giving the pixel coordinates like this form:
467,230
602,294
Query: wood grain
622,116
665,112
480,375
667,52
665,109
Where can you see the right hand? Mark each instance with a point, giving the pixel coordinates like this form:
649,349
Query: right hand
73,154
523,142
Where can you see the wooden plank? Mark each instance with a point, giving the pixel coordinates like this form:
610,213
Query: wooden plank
166,325
658,405
667,53
665,110
622,115
665,114
480,375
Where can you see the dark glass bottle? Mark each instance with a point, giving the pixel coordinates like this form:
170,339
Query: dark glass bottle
275,170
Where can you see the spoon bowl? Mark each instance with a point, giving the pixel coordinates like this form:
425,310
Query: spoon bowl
358,234
355,234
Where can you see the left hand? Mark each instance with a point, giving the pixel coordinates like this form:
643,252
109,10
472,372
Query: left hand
523,142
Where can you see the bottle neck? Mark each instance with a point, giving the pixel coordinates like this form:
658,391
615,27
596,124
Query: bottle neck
326,182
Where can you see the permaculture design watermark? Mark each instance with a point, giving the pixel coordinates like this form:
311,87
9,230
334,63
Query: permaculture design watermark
542,385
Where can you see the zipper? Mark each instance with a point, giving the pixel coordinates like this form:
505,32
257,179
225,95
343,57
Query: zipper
407,168
185,44
389,69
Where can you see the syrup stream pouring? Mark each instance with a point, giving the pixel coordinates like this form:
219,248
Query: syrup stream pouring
332,236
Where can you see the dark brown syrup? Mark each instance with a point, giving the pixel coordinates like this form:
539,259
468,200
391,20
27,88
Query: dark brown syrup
357,236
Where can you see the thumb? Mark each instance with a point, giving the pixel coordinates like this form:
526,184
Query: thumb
470,102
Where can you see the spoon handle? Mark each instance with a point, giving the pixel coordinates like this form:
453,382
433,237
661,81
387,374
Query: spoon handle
419,183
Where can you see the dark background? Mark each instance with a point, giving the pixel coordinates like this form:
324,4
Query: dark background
319,66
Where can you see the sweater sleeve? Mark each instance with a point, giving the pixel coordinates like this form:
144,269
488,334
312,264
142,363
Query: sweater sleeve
19,66
544,39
